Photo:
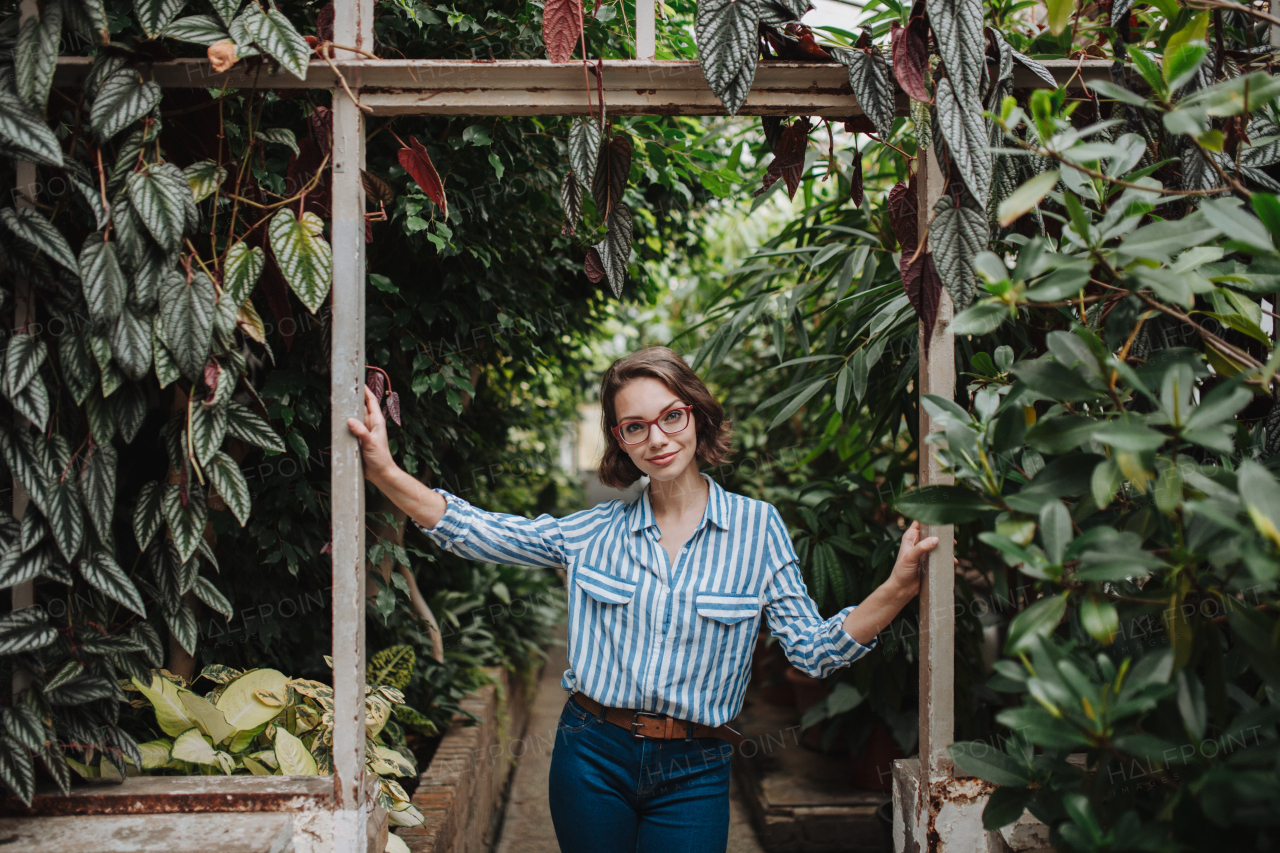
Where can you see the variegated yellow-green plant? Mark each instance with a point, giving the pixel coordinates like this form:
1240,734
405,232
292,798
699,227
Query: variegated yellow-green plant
264,723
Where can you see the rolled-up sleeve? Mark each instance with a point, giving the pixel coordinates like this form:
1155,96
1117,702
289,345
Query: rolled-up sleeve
815,645
496,537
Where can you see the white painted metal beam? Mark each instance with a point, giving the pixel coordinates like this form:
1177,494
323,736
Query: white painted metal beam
646,30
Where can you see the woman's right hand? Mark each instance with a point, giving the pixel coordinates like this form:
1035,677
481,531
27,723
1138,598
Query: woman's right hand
372,434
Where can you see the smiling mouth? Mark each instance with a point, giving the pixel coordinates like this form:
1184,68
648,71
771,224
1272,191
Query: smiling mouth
663,458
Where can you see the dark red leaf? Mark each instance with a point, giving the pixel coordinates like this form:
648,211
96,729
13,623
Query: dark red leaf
910,62
613,166
183,485
324,22
211,377
855,180
321,123
788,158
328,547
904,215
376,189
561,28
805,47
772,127
924,290
393,407
419,166
859,124
376,382
594,265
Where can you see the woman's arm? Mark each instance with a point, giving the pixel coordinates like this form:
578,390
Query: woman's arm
880,607
448,520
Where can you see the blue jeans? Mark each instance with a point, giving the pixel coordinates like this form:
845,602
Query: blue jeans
615,793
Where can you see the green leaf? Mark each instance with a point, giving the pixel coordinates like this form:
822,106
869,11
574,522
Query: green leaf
1260,494
728,46
248,427
280,136
154,15
980,318
1026,197
228,480
131,343
36,54
1059,15
123,99
943,505
293,756
278,39
101,571
186,525
1235,221
226,9
208,428
1055,530
204,178
25,630
160,196
957,235
98,485
1038,620
66,517
392,666
197,29
24,135
102,279
1099,618
182,624
186,316
25,355
1182,61
212,596
987,762
304,257
31,227
584,145
1133,437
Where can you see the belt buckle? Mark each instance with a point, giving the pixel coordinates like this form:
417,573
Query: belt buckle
635,720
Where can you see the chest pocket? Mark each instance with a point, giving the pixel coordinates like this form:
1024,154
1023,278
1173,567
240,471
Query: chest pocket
609,589
726,607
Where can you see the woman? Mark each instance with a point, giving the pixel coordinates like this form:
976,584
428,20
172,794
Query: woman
665,598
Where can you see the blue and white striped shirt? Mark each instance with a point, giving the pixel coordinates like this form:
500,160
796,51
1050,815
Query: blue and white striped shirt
644,634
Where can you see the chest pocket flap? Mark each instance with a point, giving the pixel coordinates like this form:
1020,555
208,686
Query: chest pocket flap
727,607
602,587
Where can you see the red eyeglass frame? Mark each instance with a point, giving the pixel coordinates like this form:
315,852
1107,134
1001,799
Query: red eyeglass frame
617,430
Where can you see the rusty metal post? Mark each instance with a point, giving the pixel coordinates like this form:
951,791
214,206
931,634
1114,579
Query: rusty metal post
937,593
353,25
646,30
23,594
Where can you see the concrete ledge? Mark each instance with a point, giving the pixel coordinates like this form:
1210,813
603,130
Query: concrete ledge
462,792
182,794
216,833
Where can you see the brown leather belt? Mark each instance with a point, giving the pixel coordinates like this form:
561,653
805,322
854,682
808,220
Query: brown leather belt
660,726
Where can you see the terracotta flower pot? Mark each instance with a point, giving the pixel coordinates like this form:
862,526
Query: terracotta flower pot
872,766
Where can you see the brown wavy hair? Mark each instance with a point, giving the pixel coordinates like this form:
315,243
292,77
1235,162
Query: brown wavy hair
712,427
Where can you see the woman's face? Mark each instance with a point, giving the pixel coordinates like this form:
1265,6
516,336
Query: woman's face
658,455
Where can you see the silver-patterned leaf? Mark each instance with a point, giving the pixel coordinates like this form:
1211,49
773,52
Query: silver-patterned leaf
133,246
36,54
154,15
24,135
88,19
965,133
98,485
25,630
957,235
243,27
1004,74
212,596
204,178
131,343
872,84
276,36
303,256
103,573
32,228
101,279
123,99
957,29
186,316
160,196
208,429
776,13
148,514
185,524
226,9
166,368
33,402
144,287
728,47
75,368
182,624
28,460
65,513
251,429
102,426
24,356
584,145
615,249
92,198
229,481
197,29
129,410
1037,68
242,270
571,202
280,136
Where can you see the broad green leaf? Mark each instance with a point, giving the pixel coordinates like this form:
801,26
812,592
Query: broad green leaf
24,135
943,505
584,144
281,136
392,666
25,630
304,257
182,625
980,318
1132,436
123,99
1192,34
226,9
1099,618
727,38
160,196
206,716
155,754
294,758
990,763
167,370
186,525
230,484
1105,482
1026,197
276,36
30,226
1260,494
192,747
1059,15
65,513
101,571
197,29
1055,530
1004,806
186,320
166,700
248,427
204,178
242,708
1181,61
1038,620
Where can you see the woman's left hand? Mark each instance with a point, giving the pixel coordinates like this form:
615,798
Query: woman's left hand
906,569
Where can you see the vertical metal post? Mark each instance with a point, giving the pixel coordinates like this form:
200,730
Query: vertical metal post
1274,8
646,30
24,594
353,25
937,594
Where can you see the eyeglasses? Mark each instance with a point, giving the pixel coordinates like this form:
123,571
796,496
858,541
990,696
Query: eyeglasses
671,422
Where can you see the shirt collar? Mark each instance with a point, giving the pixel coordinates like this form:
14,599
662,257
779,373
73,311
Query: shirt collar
717,512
